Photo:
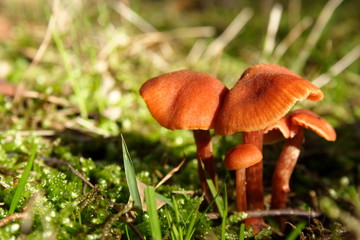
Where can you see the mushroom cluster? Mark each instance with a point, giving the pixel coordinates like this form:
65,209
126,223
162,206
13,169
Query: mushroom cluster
256,107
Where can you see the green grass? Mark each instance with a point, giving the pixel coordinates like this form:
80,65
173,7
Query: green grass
23,180
130,175
87,83
153,216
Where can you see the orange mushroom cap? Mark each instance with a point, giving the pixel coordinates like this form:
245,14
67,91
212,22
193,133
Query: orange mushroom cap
278,131
184,99
260,100
242,156
267,68
307,119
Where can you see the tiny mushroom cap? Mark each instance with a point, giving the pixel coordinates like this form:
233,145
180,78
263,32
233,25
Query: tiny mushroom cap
263,95
184,99
242,156
307,119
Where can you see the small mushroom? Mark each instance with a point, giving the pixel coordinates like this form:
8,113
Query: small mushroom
263,94
188,100
298,120
239,158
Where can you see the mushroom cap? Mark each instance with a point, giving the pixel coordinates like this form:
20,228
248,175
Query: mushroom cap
278,131
266,68
184,99
242,156
307,119
259,100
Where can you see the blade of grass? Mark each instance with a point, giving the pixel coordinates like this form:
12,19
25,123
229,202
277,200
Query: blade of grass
321,22
225,213
218,45
177,226
127,232
151,210
242,230
338,67
273,26
24,177
295,233
292,36
216,197
72,74
191,228
130,174
200,216
164,199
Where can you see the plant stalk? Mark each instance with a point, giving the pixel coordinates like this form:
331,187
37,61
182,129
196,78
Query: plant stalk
254,182
284,168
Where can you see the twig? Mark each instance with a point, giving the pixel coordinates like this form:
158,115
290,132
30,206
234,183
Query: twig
170,174
273,213
42,133
135,231
13,217
283,212
17,91
73,170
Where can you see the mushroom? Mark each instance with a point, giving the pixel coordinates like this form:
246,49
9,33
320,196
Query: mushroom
263,94
188,100
297,121
239,158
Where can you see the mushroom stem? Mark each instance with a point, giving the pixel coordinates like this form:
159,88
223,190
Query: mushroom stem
254,174
241,205
284,168
254,182
205,156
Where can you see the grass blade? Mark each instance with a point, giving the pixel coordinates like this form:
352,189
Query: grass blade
242,230
217,198
130,174
151,210
164,199
273,26
73,77
323,19
295,233
225,213
24,177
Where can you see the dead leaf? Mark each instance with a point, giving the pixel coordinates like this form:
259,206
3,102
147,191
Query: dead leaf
141,187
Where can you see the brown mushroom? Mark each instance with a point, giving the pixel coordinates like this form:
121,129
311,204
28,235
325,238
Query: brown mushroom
239,158
298,120
187,100
263,94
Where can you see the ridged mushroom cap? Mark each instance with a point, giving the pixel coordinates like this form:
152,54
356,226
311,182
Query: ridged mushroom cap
266,68
277,131
184,99
309,120
263,95
242,156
